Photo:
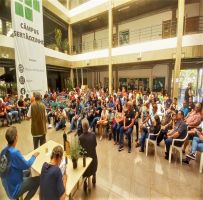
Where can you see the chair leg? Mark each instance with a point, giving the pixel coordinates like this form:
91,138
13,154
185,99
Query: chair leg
181,157
147,145
201,163
155,149
170,154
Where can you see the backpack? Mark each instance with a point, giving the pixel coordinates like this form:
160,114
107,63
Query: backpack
5,163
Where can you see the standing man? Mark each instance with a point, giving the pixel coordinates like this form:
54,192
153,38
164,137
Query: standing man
13,180
37,114
188,92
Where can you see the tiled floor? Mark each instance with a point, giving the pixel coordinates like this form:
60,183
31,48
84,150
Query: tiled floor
127,176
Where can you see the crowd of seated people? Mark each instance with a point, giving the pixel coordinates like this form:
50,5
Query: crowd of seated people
117,115
13,109
153,115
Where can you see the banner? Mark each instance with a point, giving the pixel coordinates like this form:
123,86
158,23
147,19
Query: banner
27,24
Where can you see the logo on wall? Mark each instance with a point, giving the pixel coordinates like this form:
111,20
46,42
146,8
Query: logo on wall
21,68
21,80
26,10
22,91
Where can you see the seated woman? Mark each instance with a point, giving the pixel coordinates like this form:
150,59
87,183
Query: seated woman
118,122
197,145
154,128
103,121
52,181
88,142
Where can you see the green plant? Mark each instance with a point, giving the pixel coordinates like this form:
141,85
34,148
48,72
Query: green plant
69,84
75,148
58,36
65,45
52,46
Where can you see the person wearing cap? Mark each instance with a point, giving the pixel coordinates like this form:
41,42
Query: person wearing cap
37,113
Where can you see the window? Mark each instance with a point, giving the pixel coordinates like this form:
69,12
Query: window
124,37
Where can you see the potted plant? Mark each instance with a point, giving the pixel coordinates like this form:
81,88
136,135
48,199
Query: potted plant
58,36
75,150
65,46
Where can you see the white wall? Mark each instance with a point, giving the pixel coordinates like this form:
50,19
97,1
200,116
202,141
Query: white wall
87,42
101,37
142,29
154,21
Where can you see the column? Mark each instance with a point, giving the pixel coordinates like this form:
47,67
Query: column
116,79
4,28
181,8
72,77
68,4
77,77
70,39
81,76
110,45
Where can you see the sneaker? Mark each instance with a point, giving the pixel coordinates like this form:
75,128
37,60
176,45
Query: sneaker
166,157
192,156
129,150
185,161
120,148
141,150
49,126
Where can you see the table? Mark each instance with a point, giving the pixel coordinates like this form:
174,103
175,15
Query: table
74,175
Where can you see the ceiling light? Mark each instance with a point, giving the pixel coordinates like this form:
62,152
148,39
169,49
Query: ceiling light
124,8
92,20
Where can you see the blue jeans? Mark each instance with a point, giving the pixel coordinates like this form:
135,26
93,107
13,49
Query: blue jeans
94,123
60,124
128,132
144,137
13,113
197,145
116,132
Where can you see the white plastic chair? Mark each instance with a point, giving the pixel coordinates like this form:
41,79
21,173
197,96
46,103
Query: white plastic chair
154,142
176,148
201,163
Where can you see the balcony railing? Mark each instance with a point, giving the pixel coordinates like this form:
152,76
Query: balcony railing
133,36
149,33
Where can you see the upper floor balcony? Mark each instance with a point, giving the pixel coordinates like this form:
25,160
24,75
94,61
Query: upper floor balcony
167,29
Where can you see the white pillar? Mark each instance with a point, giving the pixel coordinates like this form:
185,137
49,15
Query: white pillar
181,9
110,45
81,76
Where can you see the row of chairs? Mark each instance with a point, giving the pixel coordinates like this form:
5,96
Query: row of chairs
172,147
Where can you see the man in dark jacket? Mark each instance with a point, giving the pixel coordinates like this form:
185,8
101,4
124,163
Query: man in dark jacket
88,142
